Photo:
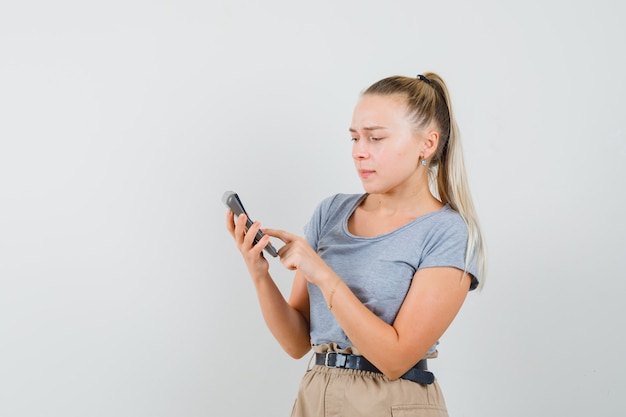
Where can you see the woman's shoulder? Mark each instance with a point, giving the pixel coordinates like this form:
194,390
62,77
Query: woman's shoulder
449,220
328,212
335,207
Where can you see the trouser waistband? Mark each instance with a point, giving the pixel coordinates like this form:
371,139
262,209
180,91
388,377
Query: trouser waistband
418,373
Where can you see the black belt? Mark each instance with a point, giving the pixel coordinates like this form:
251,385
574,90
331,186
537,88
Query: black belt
418,373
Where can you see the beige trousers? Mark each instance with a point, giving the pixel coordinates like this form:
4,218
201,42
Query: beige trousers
336,392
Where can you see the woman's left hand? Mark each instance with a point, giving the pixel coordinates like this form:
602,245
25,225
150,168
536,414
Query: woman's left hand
298,255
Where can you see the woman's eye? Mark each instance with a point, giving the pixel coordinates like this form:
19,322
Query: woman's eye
376,139
354,139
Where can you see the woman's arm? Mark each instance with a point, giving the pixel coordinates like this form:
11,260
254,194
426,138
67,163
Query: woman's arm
433,300
287,321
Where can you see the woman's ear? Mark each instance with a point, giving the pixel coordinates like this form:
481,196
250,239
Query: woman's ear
431,142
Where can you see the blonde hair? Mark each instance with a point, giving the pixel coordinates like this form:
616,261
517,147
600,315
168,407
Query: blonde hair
429,102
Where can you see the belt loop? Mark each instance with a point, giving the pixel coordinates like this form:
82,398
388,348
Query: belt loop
326,358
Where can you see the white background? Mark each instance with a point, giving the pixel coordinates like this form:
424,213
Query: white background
123,122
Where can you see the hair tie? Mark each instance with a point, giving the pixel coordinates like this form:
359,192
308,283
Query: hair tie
421,77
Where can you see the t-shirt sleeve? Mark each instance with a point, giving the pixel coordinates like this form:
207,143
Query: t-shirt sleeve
313,228
447,246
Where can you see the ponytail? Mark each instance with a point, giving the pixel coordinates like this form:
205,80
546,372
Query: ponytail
429,101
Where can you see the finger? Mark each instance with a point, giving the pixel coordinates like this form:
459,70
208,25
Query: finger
287,262
251,234
230,222
262,243
280,234
282,252
240,227
255,248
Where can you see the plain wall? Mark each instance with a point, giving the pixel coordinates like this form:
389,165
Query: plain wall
122,123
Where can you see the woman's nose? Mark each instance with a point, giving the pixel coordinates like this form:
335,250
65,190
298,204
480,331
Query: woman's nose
359,150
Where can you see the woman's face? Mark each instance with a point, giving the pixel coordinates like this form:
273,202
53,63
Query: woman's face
386,146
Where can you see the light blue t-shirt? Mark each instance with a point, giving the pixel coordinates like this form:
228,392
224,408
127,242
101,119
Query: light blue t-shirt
379,269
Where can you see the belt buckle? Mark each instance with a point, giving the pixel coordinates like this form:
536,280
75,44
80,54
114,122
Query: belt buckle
340,360
326,358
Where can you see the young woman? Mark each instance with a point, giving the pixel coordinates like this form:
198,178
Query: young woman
379,276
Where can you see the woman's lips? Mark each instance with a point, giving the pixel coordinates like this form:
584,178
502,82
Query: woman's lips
366,173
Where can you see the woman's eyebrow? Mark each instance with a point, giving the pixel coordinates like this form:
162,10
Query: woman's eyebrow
368,128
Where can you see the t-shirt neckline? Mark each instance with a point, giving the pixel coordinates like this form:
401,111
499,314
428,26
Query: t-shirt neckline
358,202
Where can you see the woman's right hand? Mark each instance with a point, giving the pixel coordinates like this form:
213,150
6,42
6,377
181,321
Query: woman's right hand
252,254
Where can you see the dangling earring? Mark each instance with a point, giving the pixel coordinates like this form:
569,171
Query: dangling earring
424,162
